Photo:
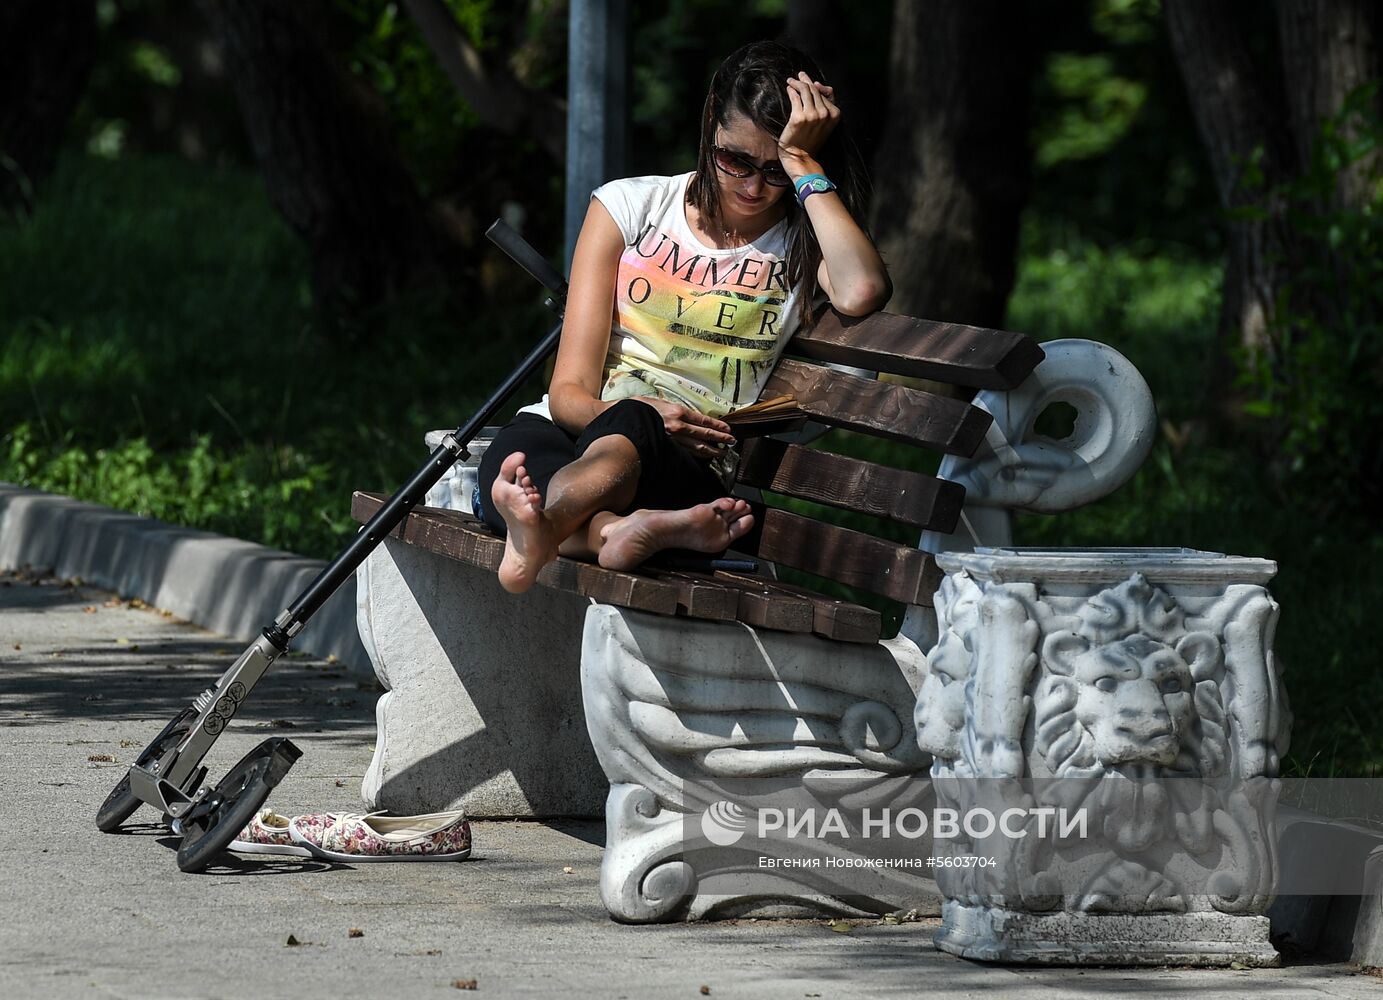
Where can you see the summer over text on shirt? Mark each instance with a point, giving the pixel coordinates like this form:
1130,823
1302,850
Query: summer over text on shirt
693,324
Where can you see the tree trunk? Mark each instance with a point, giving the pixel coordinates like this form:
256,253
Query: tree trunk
953,171
1249,148
47,48
1256,141
330,164
1329,47
813,26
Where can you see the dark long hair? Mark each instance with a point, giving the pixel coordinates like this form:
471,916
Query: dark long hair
752,82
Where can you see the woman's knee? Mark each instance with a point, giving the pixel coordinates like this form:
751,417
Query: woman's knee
631,419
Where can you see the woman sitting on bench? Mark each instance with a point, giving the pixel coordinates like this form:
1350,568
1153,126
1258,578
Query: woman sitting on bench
707,275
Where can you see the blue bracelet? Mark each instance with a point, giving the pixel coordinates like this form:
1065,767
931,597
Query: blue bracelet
810,184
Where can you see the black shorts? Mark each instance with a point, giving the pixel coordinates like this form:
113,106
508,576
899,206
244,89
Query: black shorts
670,477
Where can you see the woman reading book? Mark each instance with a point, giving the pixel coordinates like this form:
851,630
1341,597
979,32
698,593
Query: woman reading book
707,275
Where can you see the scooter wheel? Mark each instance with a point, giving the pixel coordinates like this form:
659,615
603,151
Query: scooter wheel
210,825
119,806
121,803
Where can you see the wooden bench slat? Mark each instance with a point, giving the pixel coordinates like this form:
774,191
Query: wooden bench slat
628,590
852,484
881,409
762,607
850,557
832,618
947,352
699,596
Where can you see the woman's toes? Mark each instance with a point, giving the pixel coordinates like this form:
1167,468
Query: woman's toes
740,526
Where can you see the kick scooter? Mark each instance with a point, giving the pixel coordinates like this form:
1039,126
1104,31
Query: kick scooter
168,773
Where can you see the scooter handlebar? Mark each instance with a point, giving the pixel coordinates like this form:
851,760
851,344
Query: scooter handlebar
507,239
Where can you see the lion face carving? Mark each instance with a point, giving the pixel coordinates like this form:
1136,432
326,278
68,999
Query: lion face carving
940,712
1133,695
1121,688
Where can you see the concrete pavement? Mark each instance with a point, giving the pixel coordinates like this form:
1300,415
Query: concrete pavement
85,678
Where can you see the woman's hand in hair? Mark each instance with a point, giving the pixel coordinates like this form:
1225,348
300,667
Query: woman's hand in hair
703,436
814,117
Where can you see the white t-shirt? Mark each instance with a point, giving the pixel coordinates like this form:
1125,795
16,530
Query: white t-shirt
692,324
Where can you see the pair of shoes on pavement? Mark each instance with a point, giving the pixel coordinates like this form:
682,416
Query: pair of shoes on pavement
353,837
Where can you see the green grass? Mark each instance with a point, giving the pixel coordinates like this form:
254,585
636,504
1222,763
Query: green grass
158,353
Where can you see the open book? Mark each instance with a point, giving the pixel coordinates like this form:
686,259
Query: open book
767,416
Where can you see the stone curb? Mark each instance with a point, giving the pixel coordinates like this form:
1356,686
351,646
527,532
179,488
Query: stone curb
224,584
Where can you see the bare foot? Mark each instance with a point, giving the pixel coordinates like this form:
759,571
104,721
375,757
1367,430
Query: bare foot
707,527
529,545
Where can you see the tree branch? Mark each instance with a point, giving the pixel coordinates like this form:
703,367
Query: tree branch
500,100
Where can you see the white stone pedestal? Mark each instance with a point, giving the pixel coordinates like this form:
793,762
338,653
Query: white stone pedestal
483,710
1135,688
698,725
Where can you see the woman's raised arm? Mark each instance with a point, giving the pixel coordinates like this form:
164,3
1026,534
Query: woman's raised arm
852,274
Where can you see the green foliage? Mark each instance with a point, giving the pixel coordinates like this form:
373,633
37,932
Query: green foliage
1099,108
1160,307
1126,22
158,354
271,495
388,52
1318,387
154,64
1155,304
1116,155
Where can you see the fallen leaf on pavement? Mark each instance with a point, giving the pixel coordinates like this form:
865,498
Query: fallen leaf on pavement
101,758
355,932
464,984
705,990
568,870
292,942
88,609
839,926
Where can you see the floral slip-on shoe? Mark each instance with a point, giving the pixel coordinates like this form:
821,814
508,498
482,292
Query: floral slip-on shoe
267,833
309,829
444,836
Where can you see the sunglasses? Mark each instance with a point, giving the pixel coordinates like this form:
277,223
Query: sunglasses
736,165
